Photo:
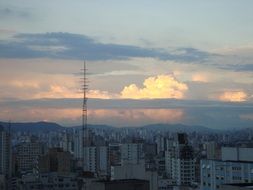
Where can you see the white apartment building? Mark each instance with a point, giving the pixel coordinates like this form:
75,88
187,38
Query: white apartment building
235,166
97,160
131,153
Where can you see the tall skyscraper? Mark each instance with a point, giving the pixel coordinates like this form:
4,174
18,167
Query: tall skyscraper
5,152
179,161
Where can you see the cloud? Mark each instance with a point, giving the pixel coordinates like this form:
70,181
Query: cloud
64,115
115,117
24,84
34,86
49,78
135,117
214,114
200,77
101,94
47,86
238,58
233,96
245,67
237,66
76,46
192,54
4,31
62,103
16,13
248,116
56,91
162,86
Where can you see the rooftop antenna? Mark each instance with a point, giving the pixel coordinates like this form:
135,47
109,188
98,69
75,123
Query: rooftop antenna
84,116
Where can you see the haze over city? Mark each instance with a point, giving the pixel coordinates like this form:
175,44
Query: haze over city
188,62
126,95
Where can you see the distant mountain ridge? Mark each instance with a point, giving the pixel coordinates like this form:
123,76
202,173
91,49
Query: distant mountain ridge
38,127
42,126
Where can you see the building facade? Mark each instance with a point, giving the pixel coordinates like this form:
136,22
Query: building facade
180,162
5,152
97,160
131,153
27,156
235,166
215,173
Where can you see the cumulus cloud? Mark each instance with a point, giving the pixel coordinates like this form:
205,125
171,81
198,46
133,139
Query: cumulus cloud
233,96
161,86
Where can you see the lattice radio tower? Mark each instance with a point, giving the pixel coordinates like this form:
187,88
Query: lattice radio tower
84,116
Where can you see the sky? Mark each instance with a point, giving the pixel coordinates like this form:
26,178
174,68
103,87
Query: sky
188,62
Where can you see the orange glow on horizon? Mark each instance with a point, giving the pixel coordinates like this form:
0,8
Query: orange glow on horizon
115,117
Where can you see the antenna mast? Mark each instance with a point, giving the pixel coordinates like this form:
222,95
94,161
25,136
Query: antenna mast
84,117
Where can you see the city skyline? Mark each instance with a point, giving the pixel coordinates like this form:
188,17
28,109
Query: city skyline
148,62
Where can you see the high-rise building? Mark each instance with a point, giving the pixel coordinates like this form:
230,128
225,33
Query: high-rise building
27,156
114,154
91,162
160,142
131,153
67,142
212,150
97,160
56,160
5,152
235,166
77,145
78,140
103,161
179,161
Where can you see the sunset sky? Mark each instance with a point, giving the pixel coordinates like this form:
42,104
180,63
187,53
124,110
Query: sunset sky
180,61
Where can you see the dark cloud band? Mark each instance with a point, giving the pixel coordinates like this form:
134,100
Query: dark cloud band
75,46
